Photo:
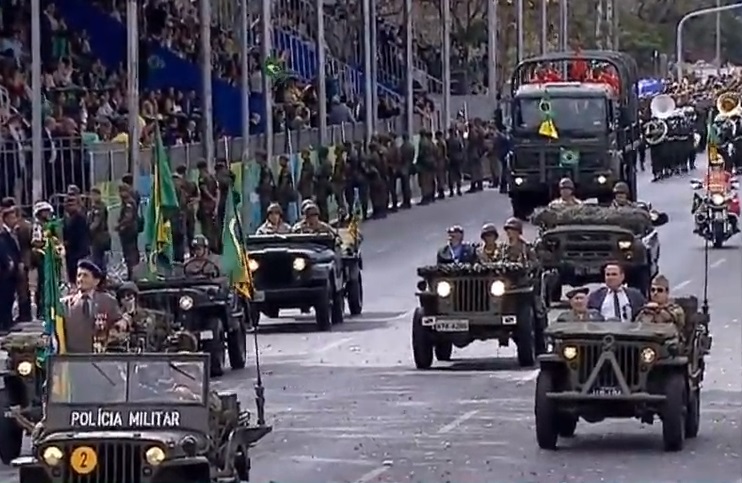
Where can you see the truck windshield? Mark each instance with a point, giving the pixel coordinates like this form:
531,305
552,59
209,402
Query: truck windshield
573,116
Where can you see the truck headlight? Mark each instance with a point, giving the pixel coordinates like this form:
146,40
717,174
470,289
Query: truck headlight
497,288
717,199
253,265
24,368
624,245
299,264
443,289
648,355
602,179
569,352
155,455
185,302
52,456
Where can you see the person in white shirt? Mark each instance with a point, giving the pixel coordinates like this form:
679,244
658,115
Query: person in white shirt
614,300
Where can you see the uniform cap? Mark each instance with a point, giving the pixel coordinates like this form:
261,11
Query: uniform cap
306,203
310,209
40,206
621,187
91,267
566,183
661,281
200,241
577,291
455,229
514,224
128,287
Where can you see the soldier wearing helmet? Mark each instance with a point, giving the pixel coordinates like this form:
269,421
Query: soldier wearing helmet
566,194
621,196
201,262
274,222
488,252
515,248
311,222
455,250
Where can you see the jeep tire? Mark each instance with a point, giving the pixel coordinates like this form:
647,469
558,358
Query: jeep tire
323,310
547,427
11,434
354,292
237,347
422,344
337,311
443,351
216,347
673,412
693,414
524,336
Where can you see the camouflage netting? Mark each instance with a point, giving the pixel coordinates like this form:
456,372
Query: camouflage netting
23,342
635,219
500,268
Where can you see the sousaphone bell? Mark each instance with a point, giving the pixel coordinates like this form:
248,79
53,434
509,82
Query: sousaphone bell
656,130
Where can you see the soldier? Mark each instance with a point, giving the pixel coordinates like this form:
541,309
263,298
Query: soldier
207,206
337,180
440,165
127,228
266,189
178,219
488,252
274,222
475,150
455,152
285,192
322,186
128,179
75,234
566,194
223,177
190,204
202,261
10,264
659,309
491,155
42,214
356,179
149,327
24,233
306,176
100,237
311,222
621,196
426,168
455,250
579,311
642,151
402,173
378,190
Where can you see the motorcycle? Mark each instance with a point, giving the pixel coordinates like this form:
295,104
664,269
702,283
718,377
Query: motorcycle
716,212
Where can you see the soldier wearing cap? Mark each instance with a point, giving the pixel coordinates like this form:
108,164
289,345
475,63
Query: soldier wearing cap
566,194
311,222
75,232
579,311
10,265
660,309
487,252
208,187
202,261
100,238
621,196
305,185
274,222
128,227
455,250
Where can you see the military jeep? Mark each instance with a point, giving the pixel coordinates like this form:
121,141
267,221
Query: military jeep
461,303
576,242
599,370
138,418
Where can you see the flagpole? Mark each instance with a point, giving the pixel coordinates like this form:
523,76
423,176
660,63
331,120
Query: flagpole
267,44
245,71
207,127
319,8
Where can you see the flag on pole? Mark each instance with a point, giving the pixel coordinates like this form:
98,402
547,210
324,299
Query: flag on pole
158,233
354,227
547,127
712,143
234,260
274,68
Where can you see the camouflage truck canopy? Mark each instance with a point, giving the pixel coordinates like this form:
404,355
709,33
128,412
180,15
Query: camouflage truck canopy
636,220
24,342
619,330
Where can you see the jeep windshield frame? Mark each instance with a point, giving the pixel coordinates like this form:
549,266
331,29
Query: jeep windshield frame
576,115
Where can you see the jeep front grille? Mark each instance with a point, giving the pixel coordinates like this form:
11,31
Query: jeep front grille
628,361
275,271
471,295
117,463
591,254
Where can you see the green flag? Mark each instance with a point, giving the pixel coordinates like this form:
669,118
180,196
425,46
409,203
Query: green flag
163,201
273,68
53,309
234,260
568,158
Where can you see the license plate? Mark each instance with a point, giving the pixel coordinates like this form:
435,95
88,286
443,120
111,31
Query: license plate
206,335
606,391
428,321
258,296
587,271
719,215
452,326
509,320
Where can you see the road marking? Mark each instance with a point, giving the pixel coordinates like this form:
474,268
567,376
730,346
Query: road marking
681,285
333,345
373,474
458,421
529,376
317,459
718,263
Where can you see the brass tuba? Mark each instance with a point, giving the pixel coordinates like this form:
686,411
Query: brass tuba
656,130
729,104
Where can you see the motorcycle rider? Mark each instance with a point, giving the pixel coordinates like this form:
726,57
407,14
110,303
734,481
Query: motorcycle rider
719,182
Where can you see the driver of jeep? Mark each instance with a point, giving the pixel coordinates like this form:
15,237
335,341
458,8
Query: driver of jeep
311,222
660,309
201,261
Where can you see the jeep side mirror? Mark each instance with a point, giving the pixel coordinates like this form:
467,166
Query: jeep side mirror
696,184
659,219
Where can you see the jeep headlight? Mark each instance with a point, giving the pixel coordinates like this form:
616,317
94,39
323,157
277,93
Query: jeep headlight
52,456
569,352
624,245
497,288
648,355
299,264
717,199
253,265
24,368
155,455
443,289
185,303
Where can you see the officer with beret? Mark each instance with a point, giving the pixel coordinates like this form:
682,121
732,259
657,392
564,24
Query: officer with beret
578,310
274,222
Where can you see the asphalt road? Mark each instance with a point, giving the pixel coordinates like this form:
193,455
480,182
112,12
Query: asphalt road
348,406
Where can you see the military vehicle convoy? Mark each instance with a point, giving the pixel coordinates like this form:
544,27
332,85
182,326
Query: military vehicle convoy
600,370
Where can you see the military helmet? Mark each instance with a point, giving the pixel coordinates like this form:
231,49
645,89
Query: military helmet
513,223
310,209
306,203
566,183
489,229
200,241
455,229
621,188
275,208
126,288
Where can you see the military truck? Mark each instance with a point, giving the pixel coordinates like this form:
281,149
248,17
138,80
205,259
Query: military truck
597,130
461,303
600,370
138,418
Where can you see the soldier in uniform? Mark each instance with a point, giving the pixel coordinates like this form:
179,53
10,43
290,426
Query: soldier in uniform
455,250
285,192
147,326
266,189
178,219
402,170
455,152
127,227
274,222
10,264
426,168
322,186
356,179
378,190
202,261
487,252
337,180
311,222
566,194
207,206
223,176
305,185
42,214
75,234
475,145
100,237
440,165
578,310
24,232
621,196
659,309
190,196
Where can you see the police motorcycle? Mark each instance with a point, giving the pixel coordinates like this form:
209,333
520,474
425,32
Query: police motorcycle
728,125
716,212
670,137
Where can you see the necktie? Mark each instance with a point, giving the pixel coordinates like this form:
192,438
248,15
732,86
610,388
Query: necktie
86,306
616,306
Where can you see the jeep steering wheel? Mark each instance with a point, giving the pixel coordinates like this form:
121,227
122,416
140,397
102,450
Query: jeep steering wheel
199,266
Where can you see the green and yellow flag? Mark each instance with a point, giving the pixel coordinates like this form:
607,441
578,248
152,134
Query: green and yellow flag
547,127
234,259
274,68
53,309
712,143
158,232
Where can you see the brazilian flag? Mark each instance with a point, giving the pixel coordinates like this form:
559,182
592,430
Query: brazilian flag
234,260
712,144
568,158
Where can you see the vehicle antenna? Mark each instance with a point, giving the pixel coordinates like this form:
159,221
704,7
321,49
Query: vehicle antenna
706,247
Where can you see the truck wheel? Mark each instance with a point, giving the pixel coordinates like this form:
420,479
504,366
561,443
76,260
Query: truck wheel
355,295
422,346
547,431
237,348
521,209
566,425
11,439
443,351
322,311
693,414
338,307
673,413
216,348
525,338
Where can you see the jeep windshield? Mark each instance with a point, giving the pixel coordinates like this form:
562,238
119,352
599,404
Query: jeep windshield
581,117
90,381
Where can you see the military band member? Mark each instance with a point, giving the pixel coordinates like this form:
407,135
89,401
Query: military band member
274,222
456,251
487,252
578,310
566,194
659,309
621,196
311,222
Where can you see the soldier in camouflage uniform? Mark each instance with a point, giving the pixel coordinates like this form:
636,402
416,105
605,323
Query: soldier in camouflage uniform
306,176
440,165
311,222
487,252
566,194
285,192
322,185
426,168
455,153
621,196
337,180
148,329
659,309
274,222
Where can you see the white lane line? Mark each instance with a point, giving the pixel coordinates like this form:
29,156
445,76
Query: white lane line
718,263
681,285
372,475
458,421
529,376
333,345
317,459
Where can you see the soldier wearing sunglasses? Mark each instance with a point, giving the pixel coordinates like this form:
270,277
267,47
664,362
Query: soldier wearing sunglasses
660,309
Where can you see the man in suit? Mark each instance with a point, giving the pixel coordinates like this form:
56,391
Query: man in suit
613,300
456,251
10,265
579,311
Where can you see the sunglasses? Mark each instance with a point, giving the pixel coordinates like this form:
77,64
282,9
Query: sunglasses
658,290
